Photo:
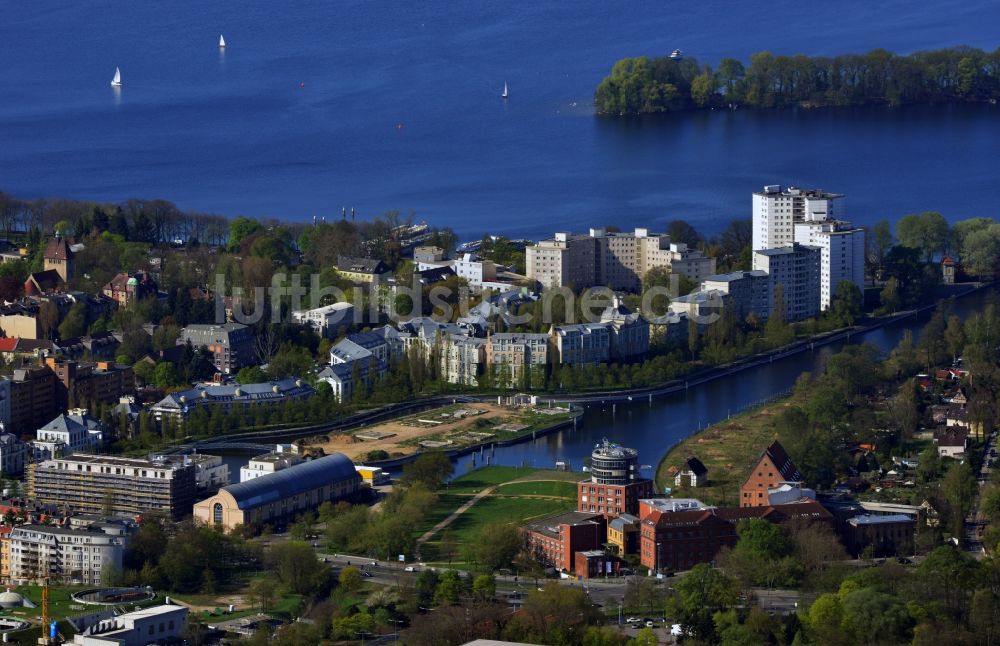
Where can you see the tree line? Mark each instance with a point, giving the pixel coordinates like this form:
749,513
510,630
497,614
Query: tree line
643,85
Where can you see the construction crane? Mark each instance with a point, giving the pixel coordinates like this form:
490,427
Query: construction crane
48,636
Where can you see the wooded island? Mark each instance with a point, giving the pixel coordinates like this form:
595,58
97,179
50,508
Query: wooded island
643,86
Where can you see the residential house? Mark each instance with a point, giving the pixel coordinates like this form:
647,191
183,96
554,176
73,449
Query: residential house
951,441
367,271
692,473
125,288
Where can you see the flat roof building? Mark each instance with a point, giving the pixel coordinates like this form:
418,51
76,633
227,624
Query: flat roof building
129,486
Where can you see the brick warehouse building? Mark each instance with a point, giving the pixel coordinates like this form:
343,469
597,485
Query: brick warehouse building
772,468
555,540
615,485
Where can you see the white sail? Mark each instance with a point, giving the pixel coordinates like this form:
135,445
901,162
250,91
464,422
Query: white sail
504,95
222,41
117,80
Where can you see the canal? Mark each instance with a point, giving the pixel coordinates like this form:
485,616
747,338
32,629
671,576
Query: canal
654,427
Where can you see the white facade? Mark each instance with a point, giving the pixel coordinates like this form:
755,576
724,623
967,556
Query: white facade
796,268
263,465
68,434
155,625
474,270
776,210
69,555
327,320
842,254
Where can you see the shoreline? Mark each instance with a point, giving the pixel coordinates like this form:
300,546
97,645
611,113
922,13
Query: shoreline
249,439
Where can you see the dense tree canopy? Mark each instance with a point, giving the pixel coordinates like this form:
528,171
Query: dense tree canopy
648,85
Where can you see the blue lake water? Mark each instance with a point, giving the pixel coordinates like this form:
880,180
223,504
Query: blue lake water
389,105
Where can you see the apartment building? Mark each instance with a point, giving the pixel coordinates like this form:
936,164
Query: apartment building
347,378
210,472
515,356
474,270
362,345
71,556
33,400
748,292
613,259
103,381
129,486
13,455
687,262
581,343
629,331
462,359
842,254
230,344
796,268
68,433
283,457
329,320
776,211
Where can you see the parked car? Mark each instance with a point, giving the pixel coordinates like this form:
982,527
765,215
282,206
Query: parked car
410,568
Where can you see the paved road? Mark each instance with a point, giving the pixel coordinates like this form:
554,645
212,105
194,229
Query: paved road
976,521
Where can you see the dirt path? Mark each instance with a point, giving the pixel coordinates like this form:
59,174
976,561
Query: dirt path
451,518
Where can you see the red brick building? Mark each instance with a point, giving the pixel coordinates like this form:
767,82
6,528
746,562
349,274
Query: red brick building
615,485
679,540
554,541
773,468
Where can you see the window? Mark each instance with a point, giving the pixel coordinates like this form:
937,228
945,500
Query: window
217,513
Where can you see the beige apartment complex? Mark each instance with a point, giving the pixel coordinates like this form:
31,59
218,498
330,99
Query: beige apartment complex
614,259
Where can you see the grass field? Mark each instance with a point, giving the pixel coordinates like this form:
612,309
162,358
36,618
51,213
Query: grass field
521,494
728,449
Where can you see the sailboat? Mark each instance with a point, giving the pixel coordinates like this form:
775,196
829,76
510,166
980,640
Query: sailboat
117,80
504,95
222,42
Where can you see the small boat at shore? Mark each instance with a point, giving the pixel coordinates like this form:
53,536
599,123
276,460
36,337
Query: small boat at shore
117,80
676,55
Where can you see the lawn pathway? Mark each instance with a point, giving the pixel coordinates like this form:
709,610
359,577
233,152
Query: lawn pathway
451,518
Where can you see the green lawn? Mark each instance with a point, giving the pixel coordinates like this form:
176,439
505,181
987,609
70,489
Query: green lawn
475,481
522,493
539,488
728,449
